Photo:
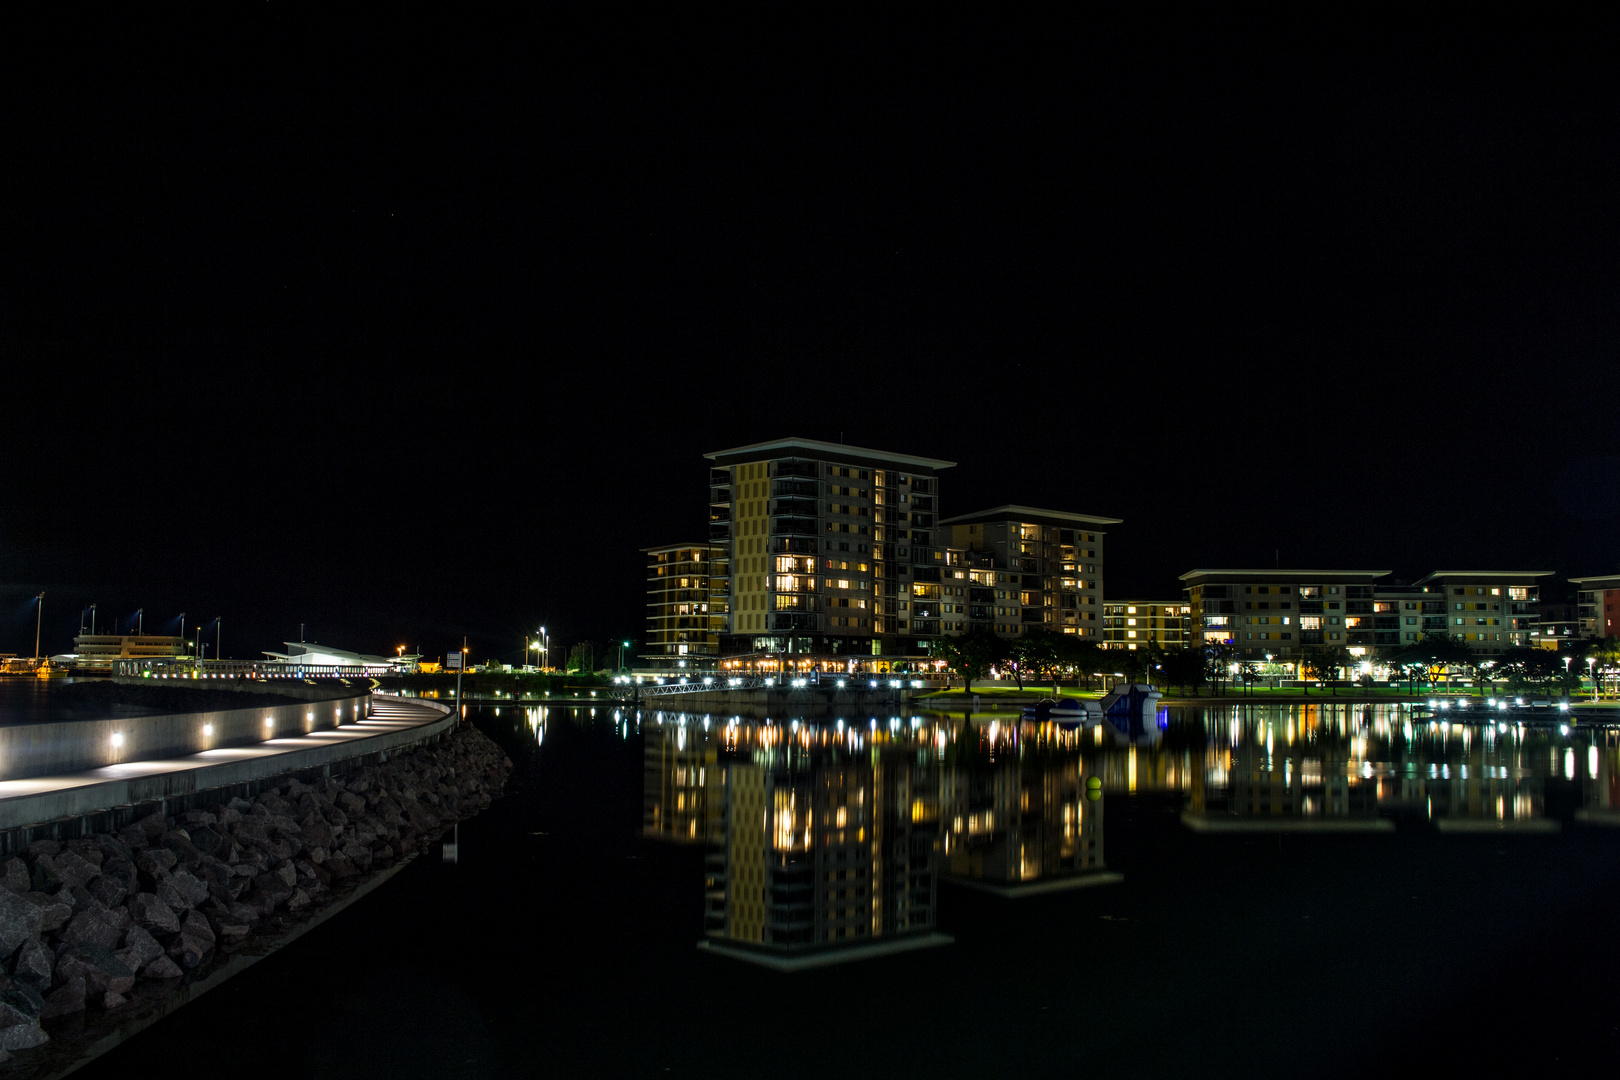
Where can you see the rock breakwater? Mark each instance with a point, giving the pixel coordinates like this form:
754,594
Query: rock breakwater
89,923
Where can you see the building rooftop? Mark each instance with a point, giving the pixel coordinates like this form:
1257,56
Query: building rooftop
1032,514
704,545
791,447
1441,575
1599,581
1366,574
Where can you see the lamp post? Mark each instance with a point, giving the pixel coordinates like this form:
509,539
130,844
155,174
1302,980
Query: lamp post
623,645
1591,674
545,653
39,617
460,711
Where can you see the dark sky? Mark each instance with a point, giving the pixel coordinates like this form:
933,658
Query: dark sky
419,324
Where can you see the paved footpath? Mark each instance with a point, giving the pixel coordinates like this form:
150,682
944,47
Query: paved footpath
393,723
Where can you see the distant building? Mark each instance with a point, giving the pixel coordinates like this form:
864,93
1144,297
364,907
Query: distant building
93,648
1134,624
1024,568
1280,613
1598,605
1557,624
1490,610
307,654
688,599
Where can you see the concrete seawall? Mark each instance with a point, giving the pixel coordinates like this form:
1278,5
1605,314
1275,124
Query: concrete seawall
66,805
69,746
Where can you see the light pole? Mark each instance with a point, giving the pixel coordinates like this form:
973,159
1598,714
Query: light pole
460,709
545,646
92,620
622,646
219,633
39,617
140,621
1590,674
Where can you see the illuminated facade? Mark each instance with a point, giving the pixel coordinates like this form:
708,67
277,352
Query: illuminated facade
93,647
1014,568
1282,613
825,542
1597,605
688,598
1137,624
1490,610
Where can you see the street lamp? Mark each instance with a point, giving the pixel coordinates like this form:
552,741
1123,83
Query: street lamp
39,617
1590,674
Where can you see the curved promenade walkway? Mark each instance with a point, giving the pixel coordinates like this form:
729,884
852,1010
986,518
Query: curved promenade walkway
394,724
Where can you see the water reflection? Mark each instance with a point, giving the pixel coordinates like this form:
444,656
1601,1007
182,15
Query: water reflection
1371,765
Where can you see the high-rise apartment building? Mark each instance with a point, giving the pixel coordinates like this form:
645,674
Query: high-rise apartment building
826,541
688,587
1013,568
1138,624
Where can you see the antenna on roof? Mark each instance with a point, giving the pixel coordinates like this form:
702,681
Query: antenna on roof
1277,554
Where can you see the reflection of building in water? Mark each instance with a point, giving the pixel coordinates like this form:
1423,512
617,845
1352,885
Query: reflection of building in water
1015,820
824,845
1365,762
682,787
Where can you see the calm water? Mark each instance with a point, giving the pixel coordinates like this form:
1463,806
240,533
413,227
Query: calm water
27,700
1246,938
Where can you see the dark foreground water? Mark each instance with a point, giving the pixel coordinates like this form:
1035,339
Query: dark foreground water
563,941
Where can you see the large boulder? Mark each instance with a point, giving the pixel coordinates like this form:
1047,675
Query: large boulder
188,950
152,914
54,911
196,925
140,943
155,862
73,869
102,970
20,920
18,1030
193,890
162,968
34,964
96,927
66,998
14,875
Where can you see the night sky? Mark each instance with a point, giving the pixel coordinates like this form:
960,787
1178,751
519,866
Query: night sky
419,325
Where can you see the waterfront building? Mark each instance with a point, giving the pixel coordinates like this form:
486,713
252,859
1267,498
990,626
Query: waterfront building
1275,614
1014,568
1597,604
826,541
1490,610
99,648
688,599
1138,624
1557,624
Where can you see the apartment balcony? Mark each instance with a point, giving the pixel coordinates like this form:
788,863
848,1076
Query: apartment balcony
793,526
781,545
719,532
805,469
719,495
924,626
719,512
796,507
795,488
792,620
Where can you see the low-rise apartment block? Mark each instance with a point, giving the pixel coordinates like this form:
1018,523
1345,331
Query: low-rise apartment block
1597,604
1139,624
1013,568
1281,613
